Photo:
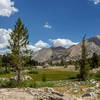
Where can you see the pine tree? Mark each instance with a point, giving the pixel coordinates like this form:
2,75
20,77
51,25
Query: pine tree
95,61
0,61
50,63
5,63
62,62
84,67
17,44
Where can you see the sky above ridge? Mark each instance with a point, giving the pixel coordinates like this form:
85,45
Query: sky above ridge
50,22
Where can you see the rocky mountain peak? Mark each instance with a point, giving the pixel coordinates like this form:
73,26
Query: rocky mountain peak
95,40
71,53
57,48
98,36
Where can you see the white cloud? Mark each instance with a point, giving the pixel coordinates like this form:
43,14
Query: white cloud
4,51
62,42
47,26
7,8
4,37
96,1
33,48
40,44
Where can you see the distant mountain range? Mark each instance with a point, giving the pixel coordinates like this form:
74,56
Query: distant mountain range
55,54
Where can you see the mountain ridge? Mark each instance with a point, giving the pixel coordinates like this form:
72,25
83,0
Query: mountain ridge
71,53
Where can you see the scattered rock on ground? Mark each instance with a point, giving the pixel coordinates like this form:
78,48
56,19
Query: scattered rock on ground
39,94
25,77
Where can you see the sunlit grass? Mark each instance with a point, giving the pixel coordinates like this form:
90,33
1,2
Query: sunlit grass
51,74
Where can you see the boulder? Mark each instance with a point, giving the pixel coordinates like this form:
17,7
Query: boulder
33,94
91,94
25,77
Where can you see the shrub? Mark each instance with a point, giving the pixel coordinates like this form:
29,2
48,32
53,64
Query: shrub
33,72
43,77
2,71
8,84
97,74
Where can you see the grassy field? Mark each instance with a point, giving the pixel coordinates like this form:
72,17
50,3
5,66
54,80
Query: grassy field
44,78
7,75
51,74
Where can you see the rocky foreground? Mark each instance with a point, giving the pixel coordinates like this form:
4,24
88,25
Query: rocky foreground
38,94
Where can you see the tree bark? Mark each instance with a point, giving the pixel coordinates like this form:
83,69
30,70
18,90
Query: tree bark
18,75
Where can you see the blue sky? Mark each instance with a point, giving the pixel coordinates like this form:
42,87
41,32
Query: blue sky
52,22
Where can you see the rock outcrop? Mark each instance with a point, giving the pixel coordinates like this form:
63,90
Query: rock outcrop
37,94
31,94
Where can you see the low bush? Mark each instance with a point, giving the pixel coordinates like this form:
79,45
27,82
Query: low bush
8,84
33,72
43,77
97,74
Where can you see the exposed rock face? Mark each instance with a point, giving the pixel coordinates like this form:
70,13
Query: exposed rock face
43,55
92,44
32,94
36,94
47,54
72,53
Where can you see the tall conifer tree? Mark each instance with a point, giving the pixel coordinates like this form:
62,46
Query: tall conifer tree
84,68
95,61
17,44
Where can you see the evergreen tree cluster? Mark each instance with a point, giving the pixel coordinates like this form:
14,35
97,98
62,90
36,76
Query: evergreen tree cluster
94,61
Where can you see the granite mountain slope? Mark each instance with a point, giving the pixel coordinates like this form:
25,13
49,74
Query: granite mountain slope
72,53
